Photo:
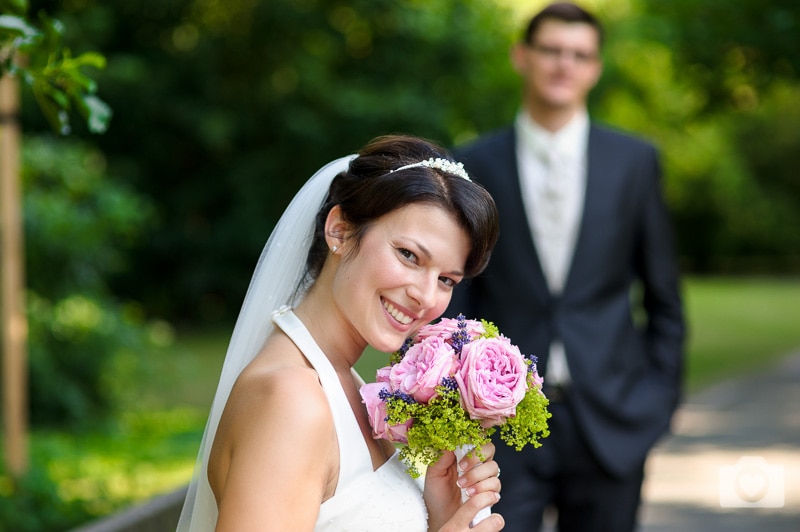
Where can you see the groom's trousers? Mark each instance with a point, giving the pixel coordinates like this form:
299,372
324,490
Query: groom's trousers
563,475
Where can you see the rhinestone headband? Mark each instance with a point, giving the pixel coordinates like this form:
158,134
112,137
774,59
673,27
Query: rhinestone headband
440,164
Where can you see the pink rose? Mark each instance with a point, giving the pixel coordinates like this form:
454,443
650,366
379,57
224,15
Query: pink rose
382,375
376,410
493,379
423,367
445,328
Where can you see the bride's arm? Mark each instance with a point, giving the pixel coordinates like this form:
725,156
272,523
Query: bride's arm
446,512
278,439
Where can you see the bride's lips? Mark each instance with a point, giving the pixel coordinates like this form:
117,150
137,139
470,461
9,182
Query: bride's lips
399,318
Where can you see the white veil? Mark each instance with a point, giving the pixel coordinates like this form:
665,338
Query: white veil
276,282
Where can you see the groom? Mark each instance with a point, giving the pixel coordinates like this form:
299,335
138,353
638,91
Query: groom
584,277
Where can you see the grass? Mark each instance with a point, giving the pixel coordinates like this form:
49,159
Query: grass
736,326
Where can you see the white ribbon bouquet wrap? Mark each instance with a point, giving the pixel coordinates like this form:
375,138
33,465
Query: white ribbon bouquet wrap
450,387
461,451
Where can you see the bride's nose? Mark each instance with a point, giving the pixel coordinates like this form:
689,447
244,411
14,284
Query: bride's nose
423,291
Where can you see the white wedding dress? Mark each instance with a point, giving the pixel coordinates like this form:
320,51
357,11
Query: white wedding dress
386,500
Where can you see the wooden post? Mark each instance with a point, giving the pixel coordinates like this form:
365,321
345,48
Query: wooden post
12,292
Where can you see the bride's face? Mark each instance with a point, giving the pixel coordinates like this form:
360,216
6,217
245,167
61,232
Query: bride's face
402,275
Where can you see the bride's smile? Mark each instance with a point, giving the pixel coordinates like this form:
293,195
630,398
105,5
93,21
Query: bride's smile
397,314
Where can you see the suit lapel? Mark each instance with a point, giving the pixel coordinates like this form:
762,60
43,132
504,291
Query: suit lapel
594,198
514,221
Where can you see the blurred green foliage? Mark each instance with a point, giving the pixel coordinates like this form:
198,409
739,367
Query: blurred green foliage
32,48
34,503
732,52
78,225
80,476
223,109
716,86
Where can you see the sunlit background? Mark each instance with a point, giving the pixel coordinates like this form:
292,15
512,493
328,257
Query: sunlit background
140,242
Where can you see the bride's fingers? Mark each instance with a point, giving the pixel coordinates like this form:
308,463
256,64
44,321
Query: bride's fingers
482,477
493,523
475,458
489,485
443,465
468,510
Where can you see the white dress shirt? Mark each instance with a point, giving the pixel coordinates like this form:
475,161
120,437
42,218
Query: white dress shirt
552,172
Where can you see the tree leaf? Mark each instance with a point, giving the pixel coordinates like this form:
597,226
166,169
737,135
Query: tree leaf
95,111
93,59
18,7
17,26
53,112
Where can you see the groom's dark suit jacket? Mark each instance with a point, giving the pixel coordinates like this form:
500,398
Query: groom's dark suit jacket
625,374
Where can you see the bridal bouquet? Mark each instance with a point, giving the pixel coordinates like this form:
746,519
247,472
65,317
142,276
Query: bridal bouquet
451,387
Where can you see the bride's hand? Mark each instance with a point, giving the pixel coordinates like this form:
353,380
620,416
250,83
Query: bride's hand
446,512
469,509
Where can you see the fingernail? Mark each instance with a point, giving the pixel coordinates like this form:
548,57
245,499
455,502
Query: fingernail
463,465
461,482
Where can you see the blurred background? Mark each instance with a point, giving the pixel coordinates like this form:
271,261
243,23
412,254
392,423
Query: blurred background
140,242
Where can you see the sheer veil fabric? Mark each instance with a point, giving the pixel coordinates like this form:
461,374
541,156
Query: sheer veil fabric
279,279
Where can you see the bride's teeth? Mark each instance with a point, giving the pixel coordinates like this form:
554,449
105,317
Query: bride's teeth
396,314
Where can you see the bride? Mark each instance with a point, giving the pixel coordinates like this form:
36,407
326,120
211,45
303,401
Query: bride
367,253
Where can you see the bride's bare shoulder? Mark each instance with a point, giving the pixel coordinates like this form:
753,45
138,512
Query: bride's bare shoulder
277,404
279,379
277,391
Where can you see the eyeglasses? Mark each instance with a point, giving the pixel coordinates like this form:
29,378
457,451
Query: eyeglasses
553,53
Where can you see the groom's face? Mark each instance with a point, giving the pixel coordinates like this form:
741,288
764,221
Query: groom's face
560,65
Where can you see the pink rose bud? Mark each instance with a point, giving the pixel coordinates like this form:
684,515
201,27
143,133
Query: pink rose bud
376,410
445,328
382,375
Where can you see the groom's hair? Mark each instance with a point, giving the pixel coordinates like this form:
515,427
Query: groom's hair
564,12
371,188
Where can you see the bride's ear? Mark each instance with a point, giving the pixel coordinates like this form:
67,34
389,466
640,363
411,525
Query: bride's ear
336,228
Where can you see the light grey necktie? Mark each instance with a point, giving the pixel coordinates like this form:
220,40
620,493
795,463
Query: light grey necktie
553,238
553,233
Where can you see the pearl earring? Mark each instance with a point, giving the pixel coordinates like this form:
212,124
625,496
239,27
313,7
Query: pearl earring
334,248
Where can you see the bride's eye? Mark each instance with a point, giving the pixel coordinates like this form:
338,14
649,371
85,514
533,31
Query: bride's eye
407,254
448,281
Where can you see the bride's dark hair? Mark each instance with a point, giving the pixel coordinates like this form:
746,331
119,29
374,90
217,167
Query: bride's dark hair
370,188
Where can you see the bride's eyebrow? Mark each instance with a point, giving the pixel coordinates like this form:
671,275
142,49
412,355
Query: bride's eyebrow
423,249
429,256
